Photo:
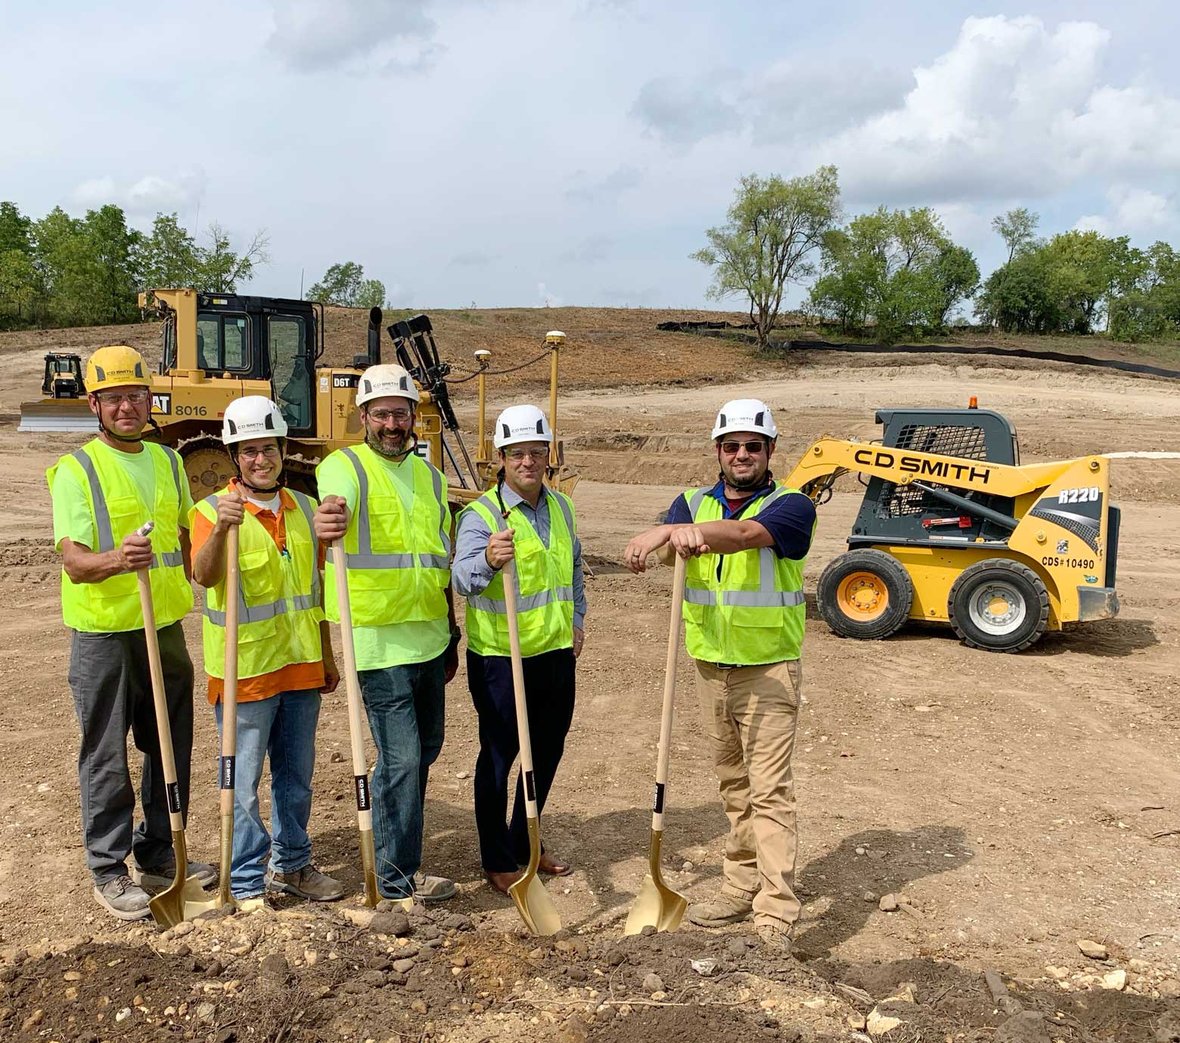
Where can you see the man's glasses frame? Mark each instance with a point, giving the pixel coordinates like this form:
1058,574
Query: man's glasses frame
517,454
136,397
381,416
753,447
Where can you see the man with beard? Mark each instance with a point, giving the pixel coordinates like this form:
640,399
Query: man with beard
102,494
284,652
389,507
745,539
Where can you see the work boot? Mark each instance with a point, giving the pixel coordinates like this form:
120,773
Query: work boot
122,897
308,883
159,877
725,909
433,888
775,940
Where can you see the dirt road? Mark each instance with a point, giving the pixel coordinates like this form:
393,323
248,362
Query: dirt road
1016,804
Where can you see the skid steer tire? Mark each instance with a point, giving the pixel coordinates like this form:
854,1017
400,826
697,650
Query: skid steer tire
999,605
865,594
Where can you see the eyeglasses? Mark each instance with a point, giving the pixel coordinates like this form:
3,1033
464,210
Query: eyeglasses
113,398
516,455
271,452
753,448
380,416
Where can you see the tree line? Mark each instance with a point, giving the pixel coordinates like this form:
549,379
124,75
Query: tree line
898,273
82,271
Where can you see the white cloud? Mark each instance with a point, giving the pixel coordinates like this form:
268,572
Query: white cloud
1137,212
146,196
318,35
1013,108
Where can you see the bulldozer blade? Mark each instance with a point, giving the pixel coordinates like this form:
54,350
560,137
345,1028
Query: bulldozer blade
57,414
532,900
656,905
184,898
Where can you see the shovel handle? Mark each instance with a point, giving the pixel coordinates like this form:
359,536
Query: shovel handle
360,773
160,702
668,710
229,699
522,712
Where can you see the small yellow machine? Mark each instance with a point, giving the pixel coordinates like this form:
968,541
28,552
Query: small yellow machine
954,529
219,347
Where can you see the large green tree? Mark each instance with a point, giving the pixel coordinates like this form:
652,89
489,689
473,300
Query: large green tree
345,286
772,230
895,269
170,256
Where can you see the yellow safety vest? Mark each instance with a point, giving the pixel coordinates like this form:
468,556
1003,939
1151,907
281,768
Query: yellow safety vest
118,507
279,595
746,608
398,560
545,575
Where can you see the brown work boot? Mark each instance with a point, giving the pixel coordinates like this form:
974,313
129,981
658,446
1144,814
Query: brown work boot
433,888
308,883
725,909
775,940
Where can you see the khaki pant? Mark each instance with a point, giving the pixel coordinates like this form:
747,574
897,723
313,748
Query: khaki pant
749,715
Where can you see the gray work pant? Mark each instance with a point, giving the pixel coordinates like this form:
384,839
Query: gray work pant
112,689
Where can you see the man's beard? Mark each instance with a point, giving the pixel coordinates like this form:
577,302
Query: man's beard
754,481
377,444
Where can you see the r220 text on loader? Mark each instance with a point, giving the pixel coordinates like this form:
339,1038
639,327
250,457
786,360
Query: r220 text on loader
954,529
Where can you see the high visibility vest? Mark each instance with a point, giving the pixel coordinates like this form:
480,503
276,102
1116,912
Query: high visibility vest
398,559
745,608
279,595
545,577
118,507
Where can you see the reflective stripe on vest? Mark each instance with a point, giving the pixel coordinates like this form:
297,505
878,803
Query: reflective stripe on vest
117,509
279,596
397,554
746,626
545,598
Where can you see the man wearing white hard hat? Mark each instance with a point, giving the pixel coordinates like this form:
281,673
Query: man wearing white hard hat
745,538
284,652
521,520
389,506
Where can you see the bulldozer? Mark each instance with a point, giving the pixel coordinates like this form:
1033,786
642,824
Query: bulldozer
218,347
953,529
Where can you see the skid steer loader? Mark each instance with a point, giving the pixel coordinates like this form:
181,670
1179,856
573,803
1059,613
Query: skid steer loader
954,529
219,347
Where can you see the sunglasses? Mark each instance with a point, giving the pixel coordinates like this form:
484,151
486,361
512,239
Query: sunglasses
753,448
516,455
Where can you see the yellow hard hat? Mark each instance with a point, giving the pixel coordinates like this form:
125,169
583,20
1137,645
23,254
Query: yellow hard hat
116,365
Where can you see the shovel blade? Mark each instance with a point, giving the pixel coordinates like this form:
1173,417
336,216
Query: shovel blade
183,899
656,905
534,905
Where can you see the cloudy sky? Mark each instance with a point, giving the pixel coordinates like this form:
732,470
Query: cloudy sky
523,152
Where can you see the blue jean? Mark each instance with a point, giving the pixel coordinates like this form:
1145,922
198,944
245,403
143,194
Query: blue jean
282,726
405,706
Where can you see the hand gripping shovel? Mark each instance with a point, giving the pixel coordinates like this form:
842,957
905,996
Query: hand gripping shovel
229,718
360,774
184,897
657,905
532,900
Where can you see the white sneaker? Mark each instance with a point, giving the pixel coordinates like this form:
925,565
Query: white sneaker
433,888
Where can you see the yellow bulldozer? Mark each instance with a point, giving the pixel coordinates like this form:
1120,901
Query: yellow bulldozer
218,347
953,529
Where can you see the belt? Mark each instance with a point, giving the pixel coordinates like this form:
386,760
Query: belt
727,666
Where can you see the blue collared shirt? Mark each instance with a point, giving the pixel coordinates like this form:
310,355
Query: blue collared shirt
470,571
790,519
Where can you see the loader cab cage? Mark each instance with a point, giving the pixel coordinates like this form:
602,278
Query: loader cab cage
258,338
893,513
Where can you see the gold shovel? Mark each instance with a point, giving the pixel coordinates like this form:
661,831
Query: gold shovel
532,900
229,718
360,774
171,905
657,905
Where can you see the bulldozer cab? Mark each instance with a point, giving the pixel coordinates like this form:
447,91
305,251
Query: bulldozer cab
256,338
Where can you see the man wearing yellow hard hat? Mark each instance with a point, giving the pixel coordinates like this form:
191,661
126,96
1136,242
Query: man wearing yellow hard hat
102,493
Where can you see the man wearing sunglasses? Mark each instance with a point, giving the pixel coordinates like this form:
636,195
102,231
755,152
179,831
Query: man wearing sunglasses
389,507
745,538
102,493
524,521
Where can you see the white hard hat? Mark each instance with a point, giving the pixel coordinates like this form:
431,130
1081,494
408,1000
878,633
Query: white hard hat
521,424
385,381
253,416
745,414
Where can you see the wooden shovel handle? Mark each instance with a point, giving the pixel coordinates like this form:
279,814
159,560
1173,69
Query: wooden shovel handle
351,683
160,701
522,711
666,715
229,698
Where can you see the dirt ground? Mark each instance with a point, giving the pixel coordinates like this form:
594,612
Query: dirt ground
1013,806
